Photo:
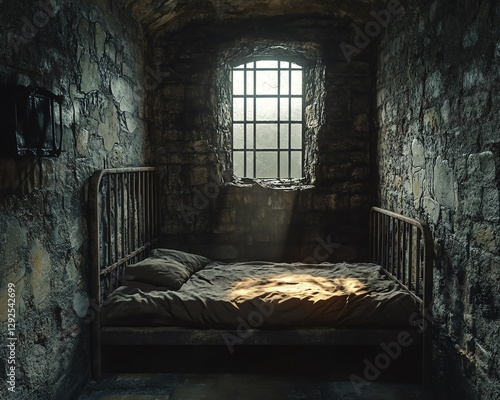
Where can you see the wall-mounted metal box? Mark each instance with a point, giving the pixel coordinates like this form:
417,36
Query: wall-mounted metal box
30,122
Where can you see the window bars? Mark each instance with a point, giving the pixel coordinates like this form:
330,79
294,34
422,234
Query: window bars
268,103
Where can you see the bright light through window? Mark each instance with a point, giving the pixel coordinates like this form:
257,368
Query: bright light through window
268,120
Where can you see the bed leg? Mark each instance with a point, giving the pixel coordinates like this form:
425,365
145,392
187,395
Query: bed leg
96,371
96,358
96,368
426,360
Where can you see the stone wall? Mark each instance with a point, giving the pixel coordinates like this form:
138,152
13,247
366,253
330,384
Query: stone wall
91,53
438,102
205,210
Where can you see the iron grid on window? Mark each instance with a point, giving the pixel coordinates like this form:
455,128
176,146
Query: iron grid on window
268,120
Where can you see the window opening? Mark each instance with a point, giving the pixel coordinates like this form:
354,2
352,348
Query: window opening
268,120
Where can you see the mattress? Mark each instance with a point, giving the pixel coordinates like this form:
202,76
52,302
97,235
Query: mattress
266,295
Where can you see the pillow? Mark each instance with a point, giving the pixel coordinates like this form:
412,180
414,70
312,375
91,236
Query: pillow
191,261
168,274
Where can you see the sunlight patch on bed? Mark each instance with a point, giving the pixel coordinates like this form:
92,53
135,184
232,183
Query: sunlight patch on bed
302,286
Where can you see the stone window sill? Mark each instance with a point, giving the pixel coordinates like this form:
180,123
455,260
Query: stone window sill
270,183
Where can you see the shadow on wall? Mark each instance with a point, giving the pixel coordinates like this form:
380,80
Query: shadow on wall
254,222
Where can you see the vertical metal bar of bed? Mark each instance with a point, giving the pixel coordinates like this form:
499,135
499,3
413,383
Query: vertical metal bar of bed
95,295
427,304
134,218
422,261
115,274
122,215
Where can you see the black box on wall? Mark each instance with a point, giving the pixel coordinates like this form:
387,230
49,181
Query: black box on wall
28,122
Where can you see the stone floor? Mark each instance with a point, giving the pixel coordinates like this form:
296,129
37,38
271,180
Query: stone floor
169,386
253,374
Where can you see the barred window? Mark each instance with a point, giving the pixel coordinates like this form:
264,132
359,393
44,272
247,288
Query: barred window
267,124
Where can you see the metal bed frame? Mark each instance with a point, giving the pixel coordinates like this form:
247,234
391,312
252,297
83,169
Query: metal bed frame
124,227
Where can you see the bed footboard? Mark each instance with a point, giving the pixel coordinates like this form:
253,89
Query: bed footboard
403,246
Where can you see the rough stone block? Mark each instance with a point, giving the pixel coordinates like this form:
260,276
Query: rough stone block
418,154
487,236
431,120
475,107
109,127
481,169
434,84
432,209
80,304
491,204
418,188
445,186
124,94
40,275
91,77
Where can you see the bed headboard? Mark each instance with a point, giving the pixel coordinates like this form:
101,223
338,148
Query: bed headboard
123,224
